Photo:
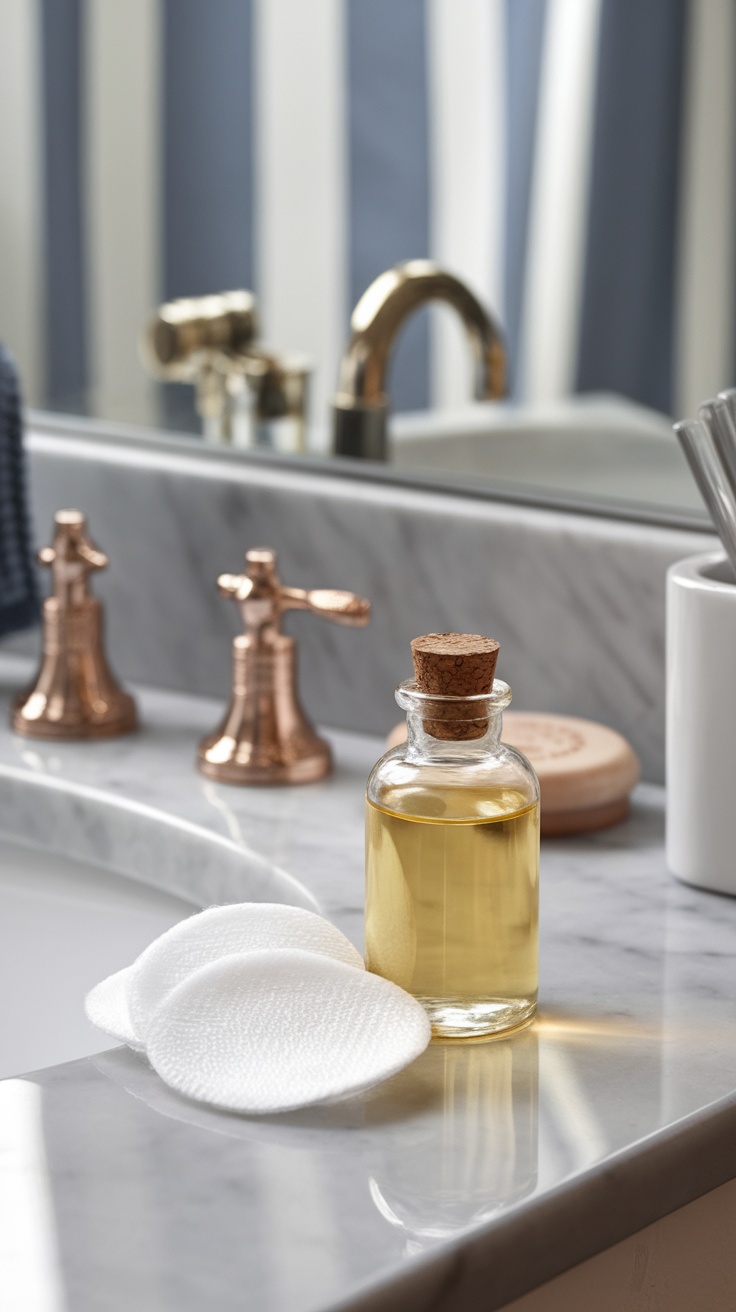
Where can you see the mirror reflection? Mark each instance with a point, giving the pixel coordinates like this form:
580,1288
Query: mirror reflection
570,162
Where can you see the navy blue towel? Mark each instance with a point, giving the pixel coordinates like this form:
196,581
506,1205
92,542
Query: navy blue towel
18,592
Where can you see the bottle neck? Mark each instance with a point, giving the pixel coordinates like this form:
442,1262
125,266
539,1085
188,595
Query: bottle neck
421,745
452,728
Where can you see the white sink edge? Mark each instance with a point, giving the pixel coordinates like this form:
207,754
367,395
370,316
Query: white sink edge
139,842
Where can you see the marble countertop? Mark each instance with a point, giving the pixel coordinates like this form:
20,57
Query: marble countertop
488,1167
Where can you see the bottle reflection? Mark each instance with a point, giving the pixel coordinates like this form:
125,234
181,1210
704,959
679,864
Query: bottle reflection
434,1182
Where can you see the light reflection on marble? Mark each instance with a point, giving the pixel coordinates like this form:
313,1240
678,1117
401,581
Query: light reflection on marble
127,807
32,1277
470,1146
479,1172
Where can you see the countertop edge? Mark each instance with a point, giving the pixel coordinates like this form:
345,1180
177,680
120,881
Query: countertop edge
580,1218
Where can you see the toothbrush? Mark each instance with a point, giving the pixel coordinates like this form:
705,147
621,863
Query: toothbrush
719,417
696,441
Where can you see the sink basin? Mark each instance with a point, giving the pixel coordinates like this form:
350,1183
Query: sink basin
88,878
64,925
596,447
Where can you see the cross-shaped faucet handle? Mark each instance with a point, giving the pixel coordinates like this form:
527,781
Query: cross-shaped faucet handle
263,598
72,555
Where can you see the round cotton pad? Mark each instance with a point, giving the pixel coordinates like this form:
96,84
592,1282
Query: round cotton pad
106,1006
220,931
272,1031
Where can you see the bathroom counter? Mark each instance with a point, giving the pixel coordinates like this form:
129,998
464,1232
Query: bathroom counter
487,1167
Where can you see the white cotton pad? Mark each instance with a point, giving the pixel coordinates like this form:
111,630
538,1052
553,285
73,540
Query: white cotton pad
219,932
273,1031
106,1006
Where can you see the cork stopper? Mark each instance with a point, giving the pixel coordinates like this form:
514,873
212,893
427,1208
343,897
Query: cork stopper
454,665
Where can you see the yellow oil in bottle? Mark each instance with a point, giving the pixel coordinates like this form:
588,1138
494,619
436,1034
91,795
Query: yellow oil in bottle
452,903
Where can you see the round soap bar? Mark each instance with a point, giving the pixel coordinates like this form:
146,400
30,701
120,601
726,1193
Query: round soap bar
586,771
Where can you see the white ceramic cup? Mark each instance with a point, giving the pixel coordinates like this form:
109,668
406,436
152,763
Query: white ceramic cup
701,722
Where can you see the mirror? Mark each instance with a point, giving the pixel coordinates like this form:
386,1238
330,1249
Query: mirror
571,163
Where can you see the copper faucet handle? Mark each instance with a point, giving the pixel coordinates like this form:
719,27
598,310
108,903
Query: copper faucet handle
258,582
181,333
75,694
265,737
262,596
331,603
72,555
238,587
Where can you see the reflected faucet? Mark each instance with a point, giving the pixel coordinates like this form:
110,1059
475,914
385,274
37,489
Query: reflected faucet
360,407
211,341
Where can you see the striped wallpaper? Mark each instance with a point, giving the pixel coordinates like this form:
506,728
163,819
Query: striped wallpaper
573,160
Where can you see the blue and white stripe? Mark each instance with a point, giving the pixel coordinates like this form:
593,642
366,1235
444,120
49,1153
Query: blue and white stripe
467,127
388,165
22,298
572,160
627,323
559,201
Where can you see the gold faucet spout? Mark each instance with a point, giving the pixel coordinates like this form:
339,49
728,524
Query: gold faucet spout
361,404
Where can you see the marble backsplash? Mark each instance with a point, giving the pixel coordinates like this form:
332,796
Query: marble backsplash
577,601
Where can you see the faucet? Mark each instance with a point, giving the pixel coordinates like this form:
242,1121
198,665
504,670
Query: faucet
75,694
360,408
210,341
265,737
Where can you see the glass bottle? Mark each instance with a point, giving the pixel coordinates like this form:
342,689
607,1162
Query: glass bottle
452,865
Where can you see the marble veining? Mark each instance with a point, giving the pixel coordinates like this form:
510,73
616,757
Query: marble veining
479,1172
576,601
